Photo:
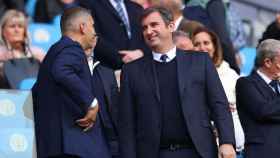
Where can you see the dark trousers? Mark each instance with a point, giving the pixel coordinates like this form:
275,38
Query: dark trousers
64,156
181,153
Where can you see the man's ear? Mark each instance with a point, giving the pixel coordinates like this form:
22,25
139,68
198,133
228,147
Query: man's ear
171,26
82,28
267,62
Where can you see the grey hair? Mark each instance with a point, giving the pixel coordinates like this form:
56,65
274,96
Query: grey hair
72,18
179,33
268,48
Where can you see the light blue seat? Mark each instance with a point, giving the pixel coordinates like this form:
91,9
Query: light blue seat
16,109
248,55
43,35
27,83
30,7
17,143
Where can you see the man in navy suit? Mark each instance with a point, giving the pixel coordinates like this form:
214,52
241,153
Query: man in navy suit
169,98
258,103
107,94
118,43
65,107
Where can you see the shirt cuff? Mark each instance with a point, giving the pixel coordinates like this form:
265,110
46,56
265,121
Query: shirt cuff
94,103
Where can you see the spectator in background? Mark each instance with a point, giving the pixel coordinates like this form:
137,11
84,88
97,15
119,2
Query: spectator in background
117,24
15,42
212,14
205,40
273,30
46,10
182,40
11,4
258,101
189,26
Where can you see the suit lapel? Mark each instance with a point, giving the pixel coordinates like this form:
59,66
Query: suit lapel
104,78
183,70
151,76
266,91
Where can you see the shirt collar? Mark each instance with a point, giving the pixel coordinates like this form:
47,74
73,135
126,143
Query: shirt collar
264,77
171,55
178,21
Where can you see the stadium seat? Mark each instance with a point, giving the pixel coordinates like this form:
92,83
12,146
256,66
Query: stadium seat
27,83
43,35
17,143
248,55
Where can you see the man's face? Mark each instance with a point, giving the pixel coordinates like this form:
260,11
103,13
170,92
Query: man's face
273,66
90,35
157,34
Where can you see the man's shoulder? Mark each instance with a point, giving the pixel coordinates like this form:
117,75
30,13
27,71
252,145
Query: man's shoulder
191,54
248,79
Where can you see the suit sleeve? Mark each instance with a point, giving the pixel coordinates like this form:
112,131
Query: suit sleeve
250,100
127,118
219,105
217,13
108,54
65,71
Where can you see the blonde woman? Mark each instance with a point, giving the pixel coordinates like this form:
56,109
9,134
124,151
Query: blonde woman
14,42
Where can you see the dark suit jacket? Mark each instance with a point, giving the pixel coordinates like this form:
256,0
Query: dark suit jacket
201,93
108,111
62,95
259,112
112,32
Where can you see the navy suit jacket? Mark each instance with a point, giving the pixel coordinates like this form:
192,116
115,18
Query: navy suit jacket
108,105
259,112
112,31
201,95
62,95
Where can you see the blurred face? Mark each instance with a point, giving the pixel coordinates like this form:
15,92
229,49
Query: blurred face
203,42
273,66
90,36
156,33
184,43
14,31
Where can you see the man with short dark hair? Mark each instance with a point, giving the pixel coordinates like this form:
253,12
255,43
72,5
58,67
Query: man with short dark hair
258,103
65,107
167,99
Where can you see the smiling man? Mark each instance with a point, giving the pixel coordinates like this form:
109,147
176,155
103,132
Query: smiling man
167,99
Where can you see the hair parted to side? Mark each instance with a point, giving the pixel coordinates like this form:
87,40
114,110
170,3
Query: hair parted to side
165,14
72,17
218,54
268,48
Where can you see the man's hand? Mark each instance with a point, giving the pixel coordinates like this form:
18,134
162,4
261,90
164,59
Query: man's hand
88,121
131,55
226,151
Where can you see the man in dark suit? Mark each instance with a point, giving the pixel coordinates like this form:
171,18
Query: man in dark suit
258,101
120,35
167,100
107,94
65,108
